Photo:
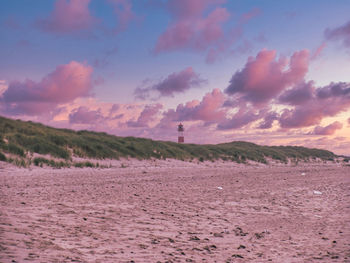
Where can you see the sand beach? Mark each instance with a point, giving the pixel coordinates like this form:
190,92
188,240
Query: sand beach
173,211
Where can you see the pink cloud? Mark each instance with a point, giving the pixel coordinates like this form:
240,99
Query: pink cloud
349,121
68,16
260,38
243,48
177,82
115,107
190,8
318,51
119,119
299,94
84,115
327,101
148,115
244,116
207,110
123,10
219,50
328,130
340,89
64,84
91,114
199,25
341,33
268,120
301,116
3,86
338,145
105,58
87,116
264,77
193,28
249,15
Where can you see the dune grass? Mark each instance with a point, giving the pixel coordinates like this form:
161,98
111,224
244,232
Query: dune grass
20,138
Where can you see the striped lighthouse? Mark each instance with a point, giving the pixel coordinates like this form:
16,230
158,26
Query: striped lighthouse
180,130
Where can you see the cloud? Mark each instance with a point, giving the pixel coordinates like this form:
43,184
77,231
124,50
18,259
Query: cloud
217,51
104,59
107,114
201,26
208,110
318,51
84,115
148,115
123,10
340,89
268,120
249,15
328,130
3,86
177,82
299,94
115,107
349,121
341,33
301,116
68,16
64,84
195,25
244,116
339,145
231,37
327,101
264,77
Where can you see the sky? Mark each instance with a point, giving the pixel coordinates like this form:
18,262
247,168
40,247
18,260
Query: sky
268,72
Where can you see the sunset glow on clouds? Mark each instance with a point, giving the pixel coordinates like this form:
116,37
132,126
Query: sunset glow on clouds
228,70
68,17
63,85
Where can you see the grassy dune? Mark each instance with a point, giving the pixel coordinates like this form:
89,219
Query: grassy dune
19,139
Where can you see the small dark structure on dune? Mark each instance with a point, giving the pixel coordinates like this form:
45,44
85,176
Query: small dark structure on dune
180,129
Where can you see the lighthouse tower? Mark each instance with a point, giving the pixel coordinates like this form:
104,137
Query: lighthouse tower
180,129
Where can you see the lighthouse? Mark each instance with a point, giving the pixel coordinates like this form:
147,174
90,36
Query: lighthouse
180,130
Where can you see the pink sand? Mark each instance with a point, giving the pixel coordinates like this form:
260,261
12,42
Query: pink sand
176,212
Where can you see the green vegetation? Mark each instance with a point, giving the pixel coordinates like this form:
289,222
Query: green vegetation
19,138
40,161
2,157
20,162
86,164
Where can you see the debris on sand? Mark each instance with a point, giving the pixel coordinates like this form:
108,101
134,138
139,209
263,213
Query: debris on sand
317,192
239,232
218,235
194,238
259,235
